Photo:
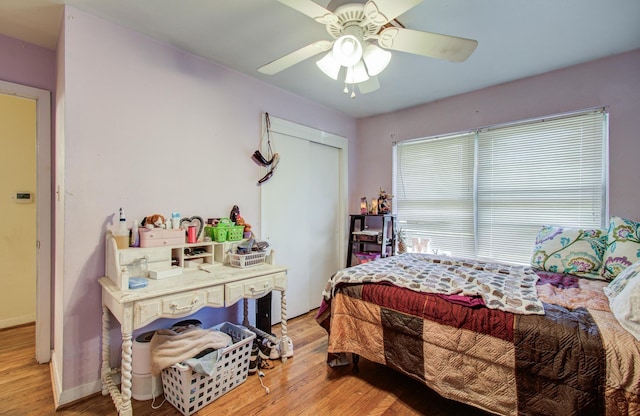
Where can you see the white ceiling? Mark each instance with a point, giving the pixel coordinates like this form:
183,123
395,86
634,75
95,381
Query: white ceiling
516,39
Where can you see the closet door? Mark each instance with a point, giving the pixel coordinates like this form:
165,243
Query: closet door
324,225
285,218
302,207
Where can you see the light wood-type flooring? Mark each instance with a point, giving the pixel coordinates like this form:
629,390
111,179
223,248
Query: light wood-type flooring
305,385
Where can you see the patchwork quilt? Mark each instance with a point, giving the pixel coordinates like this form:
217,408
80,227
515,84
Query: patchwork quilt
573,358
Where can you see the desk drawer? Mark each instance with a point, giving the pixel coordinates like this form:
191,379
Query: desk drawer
153,255
177,305
280,281
250,289
185,303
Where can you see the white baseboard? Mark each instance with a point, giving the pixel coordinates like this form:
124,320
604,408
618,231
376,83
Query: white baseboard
56,379
63,397
17,320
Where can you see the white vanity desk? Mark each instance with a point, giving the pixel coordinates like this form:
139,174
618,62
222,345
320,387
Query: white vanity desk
175,297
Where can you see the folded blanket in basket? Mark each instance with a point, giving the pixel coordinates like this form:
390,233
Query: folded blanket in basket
169,347
205,364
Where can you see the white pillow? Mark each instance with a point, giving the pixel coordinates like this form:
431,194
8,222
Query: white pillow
626,306
618,284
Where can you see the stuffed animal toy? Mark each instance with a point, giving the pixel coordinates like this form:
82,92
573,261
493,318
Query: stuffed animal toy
240,221
153,221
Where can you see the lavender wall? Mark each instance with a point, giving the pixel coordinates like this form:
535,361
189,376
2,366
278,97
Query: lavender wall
152,129
613,82
27,64
34,66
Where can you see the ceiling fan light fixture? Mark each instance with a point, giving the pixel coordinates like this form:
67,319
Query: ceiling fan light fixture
356,73
347,50
329,66
376,59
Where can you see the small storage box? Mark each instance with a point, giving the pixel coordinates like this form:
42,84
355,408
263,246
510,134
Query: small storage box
189,391
246,260
367,236
235,232
165,272
220,232
367,257
158,237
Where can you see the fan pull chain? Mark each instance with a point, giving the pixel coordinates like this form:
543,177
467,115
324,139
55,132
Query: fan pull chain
353,90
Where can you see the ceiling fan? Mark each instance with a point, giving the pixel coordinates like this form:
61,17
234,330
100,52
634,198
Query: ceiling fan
356,27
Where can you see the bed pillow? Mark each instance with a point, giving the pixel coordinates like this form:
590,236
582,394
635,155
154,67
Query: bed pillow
623,246
620,282
576,251
625,306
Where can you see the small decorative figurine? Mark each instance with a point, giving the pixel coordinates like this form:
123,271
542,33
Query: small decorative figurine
235,212
384,202
364,209
402,241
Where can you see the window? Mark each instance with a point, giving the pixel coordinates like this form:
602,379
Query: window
486,193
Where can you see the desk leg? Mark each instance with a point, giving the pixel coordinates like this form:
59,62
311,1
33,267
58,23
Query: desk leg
284,345
126,369
106,368
245,318
121,399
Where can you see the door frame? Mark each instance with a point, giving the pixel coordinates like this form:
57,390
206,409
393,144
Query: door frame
43,212
281,126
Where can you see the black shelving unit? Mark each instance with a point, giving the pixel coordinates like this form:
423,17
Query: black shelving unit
385,246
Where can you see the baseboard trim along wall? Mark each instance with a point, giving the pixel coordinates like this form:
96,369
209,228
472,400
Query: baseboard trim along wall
17,320
63,397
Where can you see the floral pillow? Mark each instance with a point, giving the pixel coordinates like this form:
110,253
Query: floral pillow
623,246
576,251
620,282
625,305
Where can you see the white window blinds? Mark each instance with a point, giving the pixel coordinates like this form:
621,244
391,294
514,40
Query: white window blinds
433,194
550,171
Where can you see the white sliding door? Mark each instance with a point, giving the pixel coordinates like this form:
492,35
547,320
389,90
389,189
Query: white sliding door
303,207
326,217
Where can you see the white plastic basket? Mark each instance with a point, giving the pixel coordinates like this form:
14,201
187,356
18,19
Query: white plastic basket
189,391
246,260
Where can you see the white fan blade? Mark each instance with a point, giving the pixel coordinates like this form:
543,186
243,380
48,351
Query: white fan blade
313,10
449,48
295,57
382,11
369,85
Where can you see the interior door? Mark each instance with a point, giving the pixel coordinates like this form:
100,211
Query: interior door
42,203
18,236
302,207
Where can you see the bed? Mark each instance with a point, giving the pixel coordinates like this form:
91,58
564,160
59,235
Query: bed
508,339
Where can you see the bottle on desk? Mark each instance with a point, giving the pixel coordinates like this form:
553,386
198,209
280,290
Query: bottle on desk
122,232
135,234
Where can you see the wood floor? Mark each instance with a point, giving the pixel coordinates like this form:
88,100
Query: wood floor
303,386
